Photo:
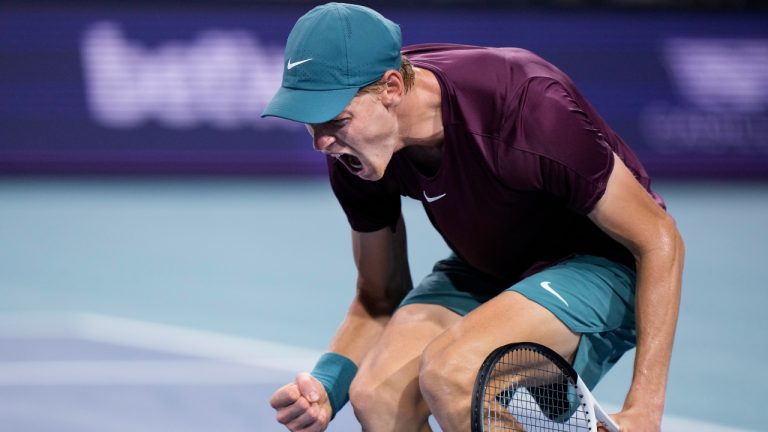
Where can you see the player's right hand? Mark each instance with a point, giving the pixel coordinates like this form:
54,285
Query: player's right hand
303,405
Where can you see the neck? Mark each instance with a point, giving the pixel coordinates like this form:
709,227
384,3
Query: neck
420,123
420,113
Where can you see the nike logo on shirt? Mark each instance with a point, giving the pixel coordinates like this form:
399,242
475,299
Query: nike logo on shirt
433,199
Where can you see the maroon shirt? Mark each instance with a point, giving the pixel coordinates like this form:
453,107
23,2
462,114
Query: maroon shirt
525,159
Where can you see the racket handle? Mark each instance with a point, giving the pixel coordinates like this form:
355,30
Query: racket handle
599,413
605,419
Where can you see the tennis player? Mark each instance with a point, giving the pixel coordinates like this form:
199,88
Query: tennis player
557,237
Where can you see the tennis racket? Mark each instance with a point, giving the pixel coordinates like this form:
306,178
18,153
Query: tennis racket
528,387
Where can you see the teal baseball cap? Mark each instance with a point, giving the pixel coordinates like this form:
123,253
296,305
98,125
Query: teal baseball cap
333,51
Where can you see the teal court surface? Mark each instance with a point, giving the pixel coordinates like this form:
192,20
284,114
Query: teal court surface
182,304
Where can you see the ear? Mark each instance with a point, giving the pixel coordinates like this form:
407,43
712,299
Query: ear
394,89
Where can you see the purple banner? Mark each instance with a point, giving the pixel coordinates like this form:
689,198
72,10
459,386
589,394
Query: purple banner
118,90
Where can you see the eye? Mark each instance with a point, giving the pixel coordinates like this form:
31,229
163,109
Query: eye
338,123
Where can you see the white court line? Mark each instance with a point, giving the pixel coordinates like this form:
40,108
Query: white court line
243,352
133,372
160,337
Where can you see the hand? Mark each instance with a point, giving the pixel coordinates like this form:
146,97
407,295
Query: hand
634,420
302,406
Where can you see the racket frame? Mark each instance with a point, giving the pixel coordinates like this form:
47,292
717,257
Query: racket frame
593,411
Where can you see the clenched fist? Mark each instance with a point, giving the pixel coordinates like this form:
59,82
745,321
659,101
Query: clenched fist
302,406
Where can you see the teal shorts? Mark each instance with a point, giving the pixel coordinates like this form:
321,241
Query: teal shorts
591,295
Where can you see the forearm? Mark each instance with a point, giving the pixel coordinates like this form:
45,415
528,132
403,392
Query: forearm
383,280
359,331
659,277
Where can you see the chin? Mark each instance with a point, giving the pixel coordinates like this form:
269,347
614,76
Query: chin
370,175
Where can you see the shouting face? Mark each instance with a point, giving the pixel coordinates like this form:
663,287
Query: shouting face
363,137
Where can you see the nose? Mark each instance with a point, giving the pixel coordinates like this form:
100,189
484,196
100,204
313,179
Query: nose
323,142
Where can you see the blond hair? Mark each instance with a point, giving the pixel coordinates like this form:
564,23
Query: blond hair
406,70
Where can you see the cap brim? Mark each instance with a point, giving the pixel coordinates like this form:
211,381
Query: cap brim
308,106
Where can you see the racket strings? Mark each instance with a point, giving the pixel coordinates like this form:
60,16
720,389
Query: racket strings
526,391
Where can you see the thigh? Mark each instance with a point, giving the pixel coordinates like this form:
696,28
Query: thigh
456,286
451,362
582,308
507,318
592,296
395,358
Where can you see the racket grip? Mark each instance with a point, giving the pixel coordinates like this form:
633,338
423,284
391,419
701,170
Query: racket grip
599,413
605,419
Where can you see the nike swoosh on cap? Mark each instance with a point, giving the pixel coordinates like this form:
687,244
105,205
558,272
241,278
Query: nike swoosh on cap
292,65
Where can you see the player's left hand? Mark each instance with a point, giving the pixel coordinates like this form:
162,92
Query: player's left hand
635,420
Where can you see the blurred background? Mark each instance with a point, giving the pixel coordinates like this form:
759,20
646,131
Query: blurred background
168,258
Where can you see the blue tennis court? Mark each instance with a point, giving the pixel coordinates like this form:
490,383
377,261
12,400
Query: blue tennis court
86,372
181,304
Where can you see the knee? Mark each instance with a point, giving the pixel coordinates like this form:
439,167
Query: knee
384,403
371,397
446,373
362,396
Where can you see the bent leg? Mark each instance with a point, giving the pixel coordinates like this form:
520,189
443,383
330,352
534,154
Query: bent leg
385,393
450,363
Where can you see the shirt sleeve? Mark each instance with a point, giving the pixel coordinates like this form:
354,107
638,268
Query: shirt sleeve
556,148
368,205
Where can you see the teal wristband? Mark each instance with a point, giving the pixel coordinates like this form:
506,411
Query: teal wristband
335,372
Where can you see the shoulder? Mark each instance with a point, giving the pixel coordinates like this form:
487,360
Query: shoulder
494,67
482,86
556,145
554,122
445,51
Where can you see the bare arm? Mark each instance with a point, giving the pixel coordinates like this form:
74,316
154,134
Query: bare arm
629,215
383,280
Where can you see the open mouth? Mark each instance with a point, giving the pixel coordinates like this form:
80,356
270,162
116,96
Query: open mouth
352,163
